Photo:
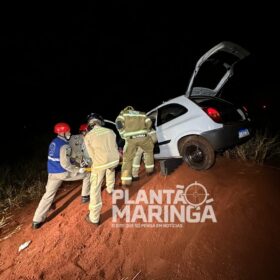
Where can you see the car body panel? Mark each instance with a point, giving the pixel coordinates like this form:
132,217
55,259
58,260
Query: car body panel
191,123
228,136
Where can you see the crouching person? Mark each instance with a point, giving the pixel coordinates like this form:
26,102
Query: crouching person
102,148
59,169
79,156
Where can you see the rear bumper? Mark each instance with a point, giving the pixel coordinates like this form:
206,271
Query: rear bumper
227,136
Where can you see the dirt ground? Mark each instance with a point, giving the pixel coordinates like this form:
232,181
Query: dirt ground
243,244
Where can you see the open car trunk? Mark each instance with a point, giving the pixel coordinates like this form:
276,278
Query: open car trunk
223,57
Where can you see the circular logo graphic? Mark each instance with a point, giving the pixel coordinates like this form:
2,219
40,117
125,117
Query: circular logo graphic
195,194
52,149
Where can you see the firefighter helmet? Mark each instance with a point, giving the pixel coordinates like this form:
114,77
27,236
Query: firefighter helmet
127,108
94,118
61,128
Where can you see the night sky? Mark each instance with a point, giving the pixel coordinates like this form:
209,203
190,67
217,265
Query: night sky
81,58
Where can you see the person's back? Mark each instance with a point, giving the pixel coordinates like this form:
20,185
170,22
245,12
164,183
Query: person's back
102,147
132,123
54,159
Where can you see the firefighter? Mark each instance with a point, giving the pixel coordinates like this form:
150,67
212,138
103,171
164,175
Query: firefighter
59,169
102,148
139,155
134,127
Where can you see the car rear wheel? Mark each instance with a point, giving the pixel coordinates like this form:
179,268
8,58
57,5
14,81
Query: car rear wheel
197,152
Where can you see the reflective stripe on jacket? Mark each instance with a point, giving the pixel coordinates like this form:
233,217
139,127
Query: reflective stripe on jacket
133,123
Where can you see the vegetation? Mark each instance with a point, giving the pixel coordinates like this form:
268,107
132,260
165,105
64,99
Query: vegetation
261,148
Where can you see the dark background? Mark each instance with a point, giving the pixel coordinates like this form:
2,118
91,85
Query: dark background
62,61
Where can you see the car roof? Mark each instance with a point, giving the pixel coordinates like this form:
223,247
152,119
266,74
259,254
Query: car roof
178,100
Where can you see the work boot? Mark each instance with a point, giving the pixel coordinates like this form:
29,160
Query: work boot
85,199
90,222
36,225
125,187
126,182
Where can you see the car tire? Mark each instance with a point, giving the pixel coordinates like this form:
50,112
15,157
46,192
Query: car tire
197,152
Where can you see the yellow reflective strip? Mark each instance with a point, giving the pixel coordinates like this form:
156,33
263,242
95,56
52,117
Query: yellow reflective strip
135,165
106,165
132,115
126,178
147,120
120,117
149,166
135,133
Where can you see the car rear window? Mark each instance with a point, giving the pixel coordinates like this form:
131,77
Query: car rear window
213,69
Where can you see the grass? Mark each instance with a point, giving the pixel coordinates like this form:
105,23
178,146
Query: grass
6,227
23,173
20,183
261,148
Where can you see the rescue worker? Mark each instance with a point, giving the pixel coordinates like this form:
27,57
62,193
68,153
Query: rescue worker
59,169
79,155
139,155
102,148
134,127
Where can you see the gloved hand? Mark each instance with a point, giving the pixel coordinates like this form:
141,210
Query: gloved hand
81,170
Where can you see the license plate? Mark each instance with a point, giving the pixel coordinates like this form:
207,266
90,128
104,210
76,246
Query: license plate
243,132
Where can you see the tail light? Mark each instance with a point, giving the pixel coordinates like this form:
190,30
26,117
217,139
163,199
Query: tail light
213,114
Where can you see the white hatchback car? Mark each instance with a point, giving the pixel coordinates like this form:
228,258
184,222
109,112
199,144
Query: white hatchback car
196,125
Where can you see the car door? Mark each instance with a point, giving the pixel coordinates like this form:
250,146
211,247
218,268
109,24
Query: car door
169,118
